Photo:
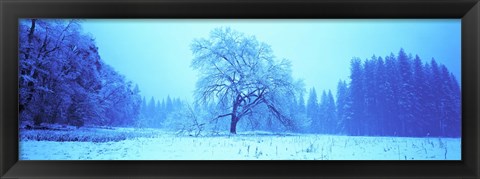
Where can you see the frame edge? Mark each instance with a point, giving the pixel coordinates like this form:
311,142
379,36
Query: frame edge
470,74
6,165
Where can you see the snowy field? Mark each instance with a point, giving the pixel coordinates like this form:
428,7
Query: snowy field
159,145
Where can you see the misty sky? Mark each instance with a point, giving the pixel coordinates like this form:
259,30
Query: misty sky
156,55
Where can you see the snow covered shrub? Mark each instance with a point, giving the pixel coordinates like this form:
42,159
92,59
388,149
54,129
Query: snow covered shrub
185,121
83,134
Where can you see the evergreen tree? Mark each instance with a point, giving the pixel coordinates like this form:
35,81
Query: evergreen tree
434,97
343,106
455,123
169,105
301,114
419,111
406,95
163,110
151,108
144,107
313,110
323,121
368,123
391,96
449,105
331,112
380,97
358,98
301,104
158,114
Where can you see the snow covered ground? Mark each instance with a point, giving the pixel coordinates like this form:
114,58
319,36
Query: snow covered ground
247,146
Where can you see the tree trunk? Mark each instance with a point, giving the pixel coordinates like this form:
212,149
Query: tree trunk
233,125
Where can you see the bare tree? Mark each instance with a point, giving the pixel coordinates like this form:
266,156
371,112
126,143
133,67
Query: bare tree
240,73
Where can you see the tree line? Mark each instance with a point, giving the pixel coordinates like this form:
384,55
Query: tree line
403,96
153,113
392,96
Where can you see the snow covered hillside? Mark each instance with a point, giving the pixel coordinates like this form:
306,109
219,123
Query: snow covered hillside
161,145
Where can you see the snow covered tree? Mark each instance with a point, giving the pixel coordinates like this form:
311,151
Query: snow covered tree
343,107
369,123
169,105
322,121
419,111
400,97
163,110
449,105
331,117
391,96
62,78
435,100
302,120
58,66
327,113
406,94
241,71
143,107
454,121
313,110
301,104
358,98
380,97
151,108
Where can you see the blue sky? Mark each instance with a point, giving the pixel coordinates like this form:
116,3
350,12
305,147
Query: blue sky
156,54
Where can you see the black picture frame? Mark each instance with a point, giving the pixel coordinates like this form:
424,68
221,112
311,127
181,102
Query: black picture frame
467,10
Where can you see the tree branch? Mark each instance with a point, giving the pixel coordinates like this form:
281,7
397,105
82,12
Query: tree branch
220,116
